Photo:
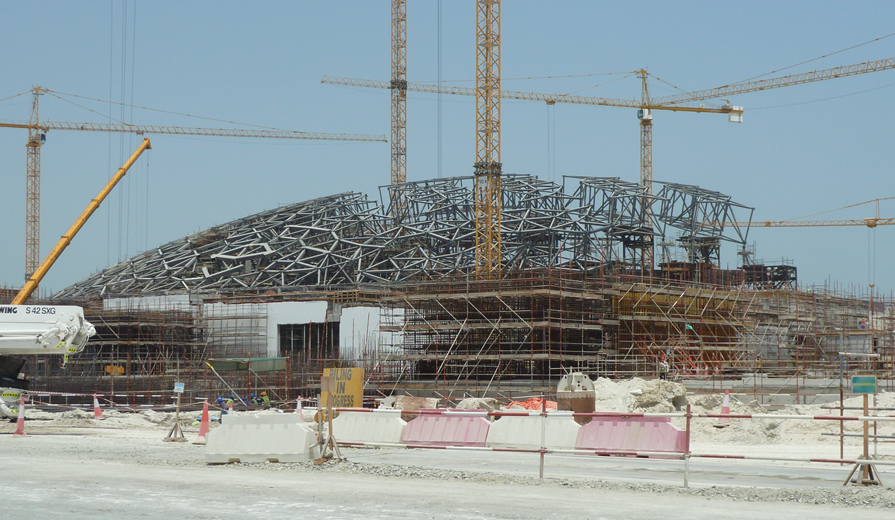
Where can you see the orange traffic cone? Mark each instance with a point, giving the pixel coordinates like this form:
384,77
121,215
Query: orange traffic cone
724,422
20,424
230,409
203,426
97,411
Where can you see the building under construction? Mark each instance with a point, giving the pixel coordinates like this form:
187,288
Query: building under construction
347,281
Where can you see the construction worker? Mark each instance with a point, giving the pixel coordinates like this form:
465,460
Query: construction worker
265,400
229,402
663,369
221,405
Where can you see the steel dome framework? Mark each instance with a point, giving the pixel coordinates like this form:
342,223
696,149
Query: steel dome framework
349,240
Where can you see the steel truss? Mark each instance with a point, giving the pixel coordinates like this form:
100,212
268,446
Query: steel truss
689,208
349,240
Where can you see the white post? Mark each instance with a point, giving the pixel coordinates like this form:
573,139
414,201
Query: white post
543,435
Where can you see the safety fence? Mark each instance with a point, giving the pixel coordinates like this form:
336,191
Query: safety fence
81,400
642,435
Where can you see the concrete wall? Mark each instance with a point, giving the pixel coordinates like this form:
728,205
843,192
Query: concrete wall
291,313
235,329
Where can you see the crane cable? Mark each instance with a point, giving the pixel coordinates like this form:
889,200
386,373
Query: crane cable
122,86
109,166
17,95
150,109
814,59
843,207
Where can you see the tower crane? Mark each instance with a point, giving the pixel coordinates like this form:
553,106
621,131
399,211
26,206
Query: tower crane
488,193
735,114
646,105
37,137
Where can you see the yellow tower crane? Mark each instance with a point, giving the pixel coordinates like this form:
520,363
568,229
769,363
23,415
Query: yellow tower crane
735,114
488,194
37,137
646,105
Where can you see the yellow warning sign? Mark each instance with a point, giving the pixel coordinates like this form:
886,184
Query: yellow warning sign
347,386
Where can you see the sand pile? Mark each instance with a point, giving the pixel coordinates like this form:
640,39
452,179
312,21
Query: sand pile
475,403
639,395
73,418
782,431
658,396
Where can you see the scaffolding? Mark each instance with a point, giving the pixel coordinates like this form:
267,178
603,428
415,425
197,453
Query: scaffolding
137,354
575,293
459,336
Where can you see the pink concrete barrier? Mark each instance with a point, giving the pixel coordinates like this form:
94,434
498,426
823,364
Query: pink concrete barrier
436,428
634,433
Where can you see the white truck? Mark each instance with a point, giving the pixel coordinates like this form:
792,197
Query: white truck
35,329
45,329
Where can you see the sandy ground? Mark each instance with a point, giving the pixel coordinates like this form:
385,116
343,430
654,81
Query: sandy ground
112,472
72,466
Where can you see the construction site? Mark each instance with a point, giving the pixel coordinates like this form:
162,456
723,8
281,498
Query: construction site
334,282
301,326
488,285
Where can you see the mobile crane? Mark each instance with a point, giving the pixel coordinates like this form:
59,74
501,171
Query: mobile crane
45,329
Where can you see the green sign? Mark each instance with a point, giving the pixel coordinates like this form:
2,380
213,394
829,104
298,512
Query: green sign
863,384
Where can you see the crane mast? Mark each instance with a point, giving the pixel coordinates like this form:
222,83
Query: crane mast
645,247
32,189
399,104
488,193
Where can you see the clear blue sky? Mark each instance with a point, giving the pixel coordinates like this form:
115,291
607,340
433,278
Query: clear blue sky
801,150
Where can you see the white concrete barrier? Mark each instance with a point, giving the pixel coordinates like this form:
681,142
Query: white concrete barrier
260,438
524,433
371,427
